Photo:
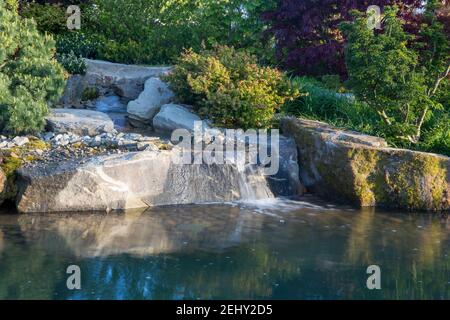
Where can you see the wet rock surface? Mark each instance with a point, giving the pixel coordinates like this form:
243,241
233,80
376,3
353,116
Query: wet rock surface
132,180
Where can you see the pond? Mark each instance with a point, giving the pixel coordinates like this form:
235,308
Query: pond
273,249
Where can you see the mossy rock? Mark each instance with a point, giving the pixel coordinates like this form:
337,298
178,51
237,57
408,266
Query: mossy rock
12,160
3,181
361,170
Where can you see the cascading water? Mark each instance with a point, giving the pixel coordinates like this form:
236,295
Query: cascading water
253,184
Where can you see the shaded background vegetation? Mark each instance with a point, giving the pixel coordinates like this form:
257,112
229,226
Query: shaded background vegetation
301,37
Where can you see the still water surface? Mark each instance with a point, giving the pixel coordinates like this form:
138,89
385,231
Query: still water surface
277,249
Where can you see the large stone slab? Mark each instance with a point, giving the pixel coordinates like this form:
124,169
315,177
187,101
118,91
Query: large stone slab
174,116
73,92
360,169
80,122
132,180
156,93
126,80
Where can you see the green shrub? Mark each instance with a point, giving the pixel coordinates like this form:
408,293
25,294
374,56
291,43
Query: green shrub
333,82
399,81
80,43
323,104
30,77
436,134
157,32
50,18
229,88
90,93
12,4
72,63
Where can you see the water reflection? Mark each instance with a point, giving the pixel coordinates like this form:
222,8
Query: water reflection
285,249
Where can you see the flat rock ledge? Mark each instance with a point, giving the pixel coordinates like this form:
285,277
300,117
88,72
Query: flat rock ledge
360,169
80,122
127,181
147,178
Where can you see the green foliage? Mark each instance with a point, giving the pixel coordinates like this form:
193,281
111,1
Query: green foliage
80,43
49,18
72,63
30,77
387,74
333,82
340,110
436,134
12,4
90,93
228,87
156,32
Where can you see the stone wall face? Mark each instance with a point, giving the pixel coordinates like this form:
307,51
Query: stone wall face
360,169
126,81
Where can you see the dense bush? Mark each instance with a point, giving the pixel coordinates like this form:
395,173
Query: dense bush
49,18
387,74
72,63
229,88
30,77
156,32
80,43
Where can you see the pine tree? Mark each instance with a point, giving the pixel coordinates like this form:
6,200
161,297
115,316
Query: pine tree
30,77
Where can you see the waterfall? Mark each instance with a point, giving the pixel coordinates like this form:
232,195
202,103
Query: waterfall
253,184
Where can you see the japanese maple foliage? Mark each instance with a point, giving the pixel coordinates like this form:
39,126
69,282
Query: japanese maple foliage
308,41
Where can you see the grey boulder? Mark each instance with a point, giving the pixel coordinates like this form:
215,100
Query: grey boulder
126,81
156,93
132,180
80,122
174,116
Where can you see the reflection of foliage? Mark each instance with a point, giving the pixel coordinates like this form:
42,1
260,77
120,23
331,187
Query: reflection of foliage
313,256
248,273
359,238
29,272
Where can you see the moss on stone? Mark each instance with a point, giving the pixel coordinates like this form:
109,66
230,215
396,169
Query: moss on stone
363,163
366,175
10,164
15,158
90,93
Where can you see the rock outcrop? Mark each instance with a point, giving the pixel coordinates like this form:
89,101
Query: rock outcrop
147,179
142,111
132,180
74,90
127,81
360,169
174,116
80,122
